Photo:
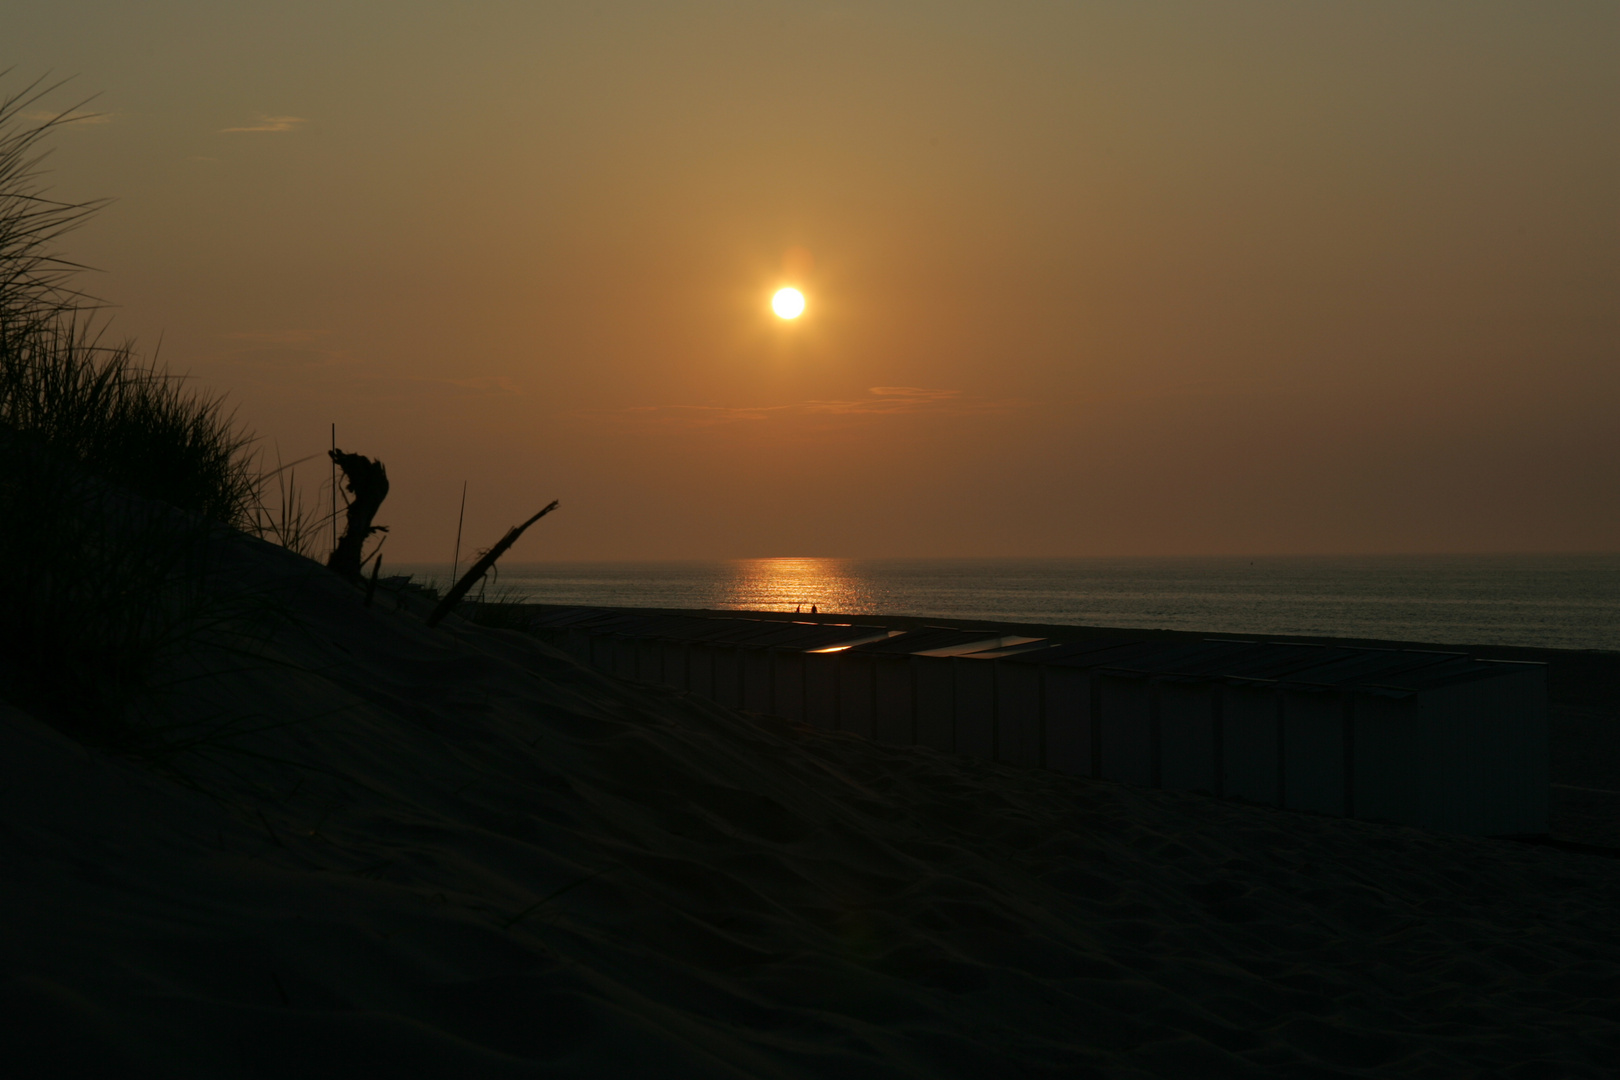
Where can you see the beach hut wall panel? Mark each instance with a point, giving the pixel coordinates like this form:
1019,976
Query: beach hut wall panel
580,644
599,651
787,683
622,656
727,675
1018,714
605,650
934,705
1483,748
894,698
700,669
608,650
603,653
1449,748
1251,742
649,661
975,684
1527,749
627,656
756,680
1125,729
672,654
1188,738
821,689
857,694
1315,732
1066,718
672,659
1385,767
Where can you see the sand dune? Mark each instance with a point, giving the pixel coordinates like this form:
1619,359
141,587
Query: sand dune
455,852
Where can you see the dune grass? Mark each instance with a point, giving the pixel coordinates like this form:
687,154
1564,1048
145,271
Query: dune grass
129,423
122,486
36,281
118,482
118,486
291,520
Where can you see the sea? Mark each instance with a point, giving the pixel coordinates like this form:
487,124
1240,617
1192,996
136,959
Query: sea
1547,601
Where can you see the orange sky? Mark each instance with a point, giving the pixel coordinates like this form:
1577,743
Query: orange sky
1083,278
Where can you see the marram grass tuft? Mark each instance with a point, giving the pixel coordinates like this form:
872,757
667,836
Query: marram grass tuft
118,483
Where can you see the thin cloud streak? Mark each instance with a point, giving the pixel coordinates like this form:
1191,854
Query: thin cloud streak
270,123
885,401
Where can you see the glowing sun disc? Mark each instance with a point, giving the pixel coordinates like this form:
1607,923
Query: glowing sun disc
788,303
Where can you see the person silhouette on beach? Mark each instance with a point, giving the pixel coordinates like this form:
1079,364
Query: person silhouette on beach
812,609
796,609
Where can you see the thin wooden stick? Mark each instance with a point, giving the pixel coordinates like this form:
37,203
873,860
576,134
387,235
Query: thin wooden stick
481,567
455,563
334,486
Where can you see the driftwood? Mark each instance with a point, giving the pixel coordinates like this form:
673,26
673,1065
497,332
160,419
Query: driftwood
368,480
481,567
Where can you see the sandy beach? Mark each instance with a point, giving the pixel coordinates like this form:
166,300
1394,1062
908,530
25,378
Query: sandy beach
455,852
1158,333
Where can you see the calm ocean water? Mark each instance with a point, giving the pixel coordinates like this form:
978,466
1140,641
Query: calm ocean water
1560,601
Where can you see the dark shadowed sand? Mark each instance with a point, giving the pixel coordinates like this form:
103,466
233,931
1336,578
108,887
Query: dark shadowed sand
459,854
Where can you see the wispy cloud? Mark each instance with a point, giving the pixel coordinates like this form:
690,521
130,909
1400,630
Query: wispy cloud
890,399
271,123
884,401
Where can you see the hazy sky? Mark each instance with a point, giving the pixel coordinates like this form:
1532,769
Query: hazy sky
1185,277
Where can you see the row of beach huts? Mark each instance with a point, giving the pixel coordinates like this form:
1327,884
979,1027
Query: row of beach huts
1440,740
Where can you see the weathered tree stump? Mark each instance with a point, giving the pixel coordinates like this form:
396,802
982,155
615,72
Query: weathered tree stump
368,481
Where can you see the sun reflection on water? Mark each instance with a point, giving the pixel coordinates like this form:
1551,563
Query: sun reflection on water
783,584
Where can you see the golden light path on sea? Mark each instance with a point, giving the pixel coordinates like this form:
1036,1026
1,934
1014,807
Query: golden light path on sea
783,584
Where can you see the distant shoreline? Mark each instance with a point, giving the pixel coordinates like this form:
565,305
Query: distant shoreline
1560,603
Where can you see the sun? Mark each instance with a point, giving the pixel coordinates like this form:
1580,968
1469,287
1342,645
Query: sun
788,303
